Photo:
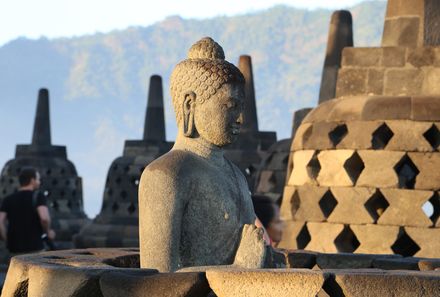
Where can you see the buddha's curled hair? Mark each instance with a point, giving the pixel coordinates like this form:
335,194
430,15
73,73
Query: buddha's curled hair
203,73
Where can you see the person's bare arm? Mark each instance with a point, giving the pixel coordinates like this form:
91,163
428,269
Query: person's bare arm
43,213
3,232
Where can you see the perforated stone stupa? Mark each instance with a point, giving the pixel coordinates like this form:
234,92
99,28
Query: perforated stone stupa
366,165
273,169
252,145
117,223
60,182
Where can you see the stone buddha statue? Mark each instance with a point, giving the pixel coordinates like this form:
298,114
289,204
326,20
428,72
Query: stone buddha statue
195,208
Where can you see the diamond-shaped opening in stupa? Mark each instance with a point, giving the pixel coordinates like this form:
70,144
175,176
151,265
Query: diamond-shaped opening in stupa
327,203
405,245
303,238
432,208
313,167
376,205
354,167
432,135
346,241
381,136
295,203
337,134
407,172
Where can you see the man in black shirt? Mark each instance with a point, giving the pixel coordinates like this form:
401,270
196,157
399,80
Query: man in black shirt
24,216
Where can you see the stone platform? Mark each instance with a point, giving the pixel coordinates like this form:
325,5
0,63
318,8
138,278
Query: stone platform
116,272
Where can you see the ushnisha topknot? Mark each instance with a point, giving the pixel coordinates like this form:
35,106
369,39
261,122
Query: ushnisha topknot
204,72
206,48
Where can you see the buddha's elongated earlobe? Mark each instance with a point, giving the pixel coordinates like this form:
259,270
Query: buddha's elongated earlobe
188,114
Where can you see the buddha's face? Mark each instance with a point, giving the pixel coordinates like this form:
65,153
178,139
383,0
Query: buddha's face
219,118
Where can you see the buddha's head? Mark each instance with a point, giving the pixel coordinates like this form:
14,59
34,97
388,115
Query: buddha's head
208,94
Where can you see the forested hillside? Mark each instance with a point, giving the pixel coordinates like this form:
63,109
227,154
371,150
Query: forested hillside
98,83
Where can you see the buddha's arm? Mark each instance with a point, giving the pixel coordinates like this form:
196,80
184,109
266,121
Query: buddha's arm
160,215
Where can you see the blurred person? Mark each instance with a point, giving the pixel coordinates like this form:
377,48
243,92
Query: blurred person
24,216
268,213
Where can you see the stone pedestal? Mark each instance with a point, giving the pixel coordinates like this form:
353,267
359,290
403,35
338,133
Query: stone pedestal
116,273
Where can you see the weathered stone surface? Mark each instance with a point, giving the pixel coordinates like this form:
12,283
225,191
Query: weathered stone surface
332,171
267,282
291,236
17,279
184,284
375,81
271,176
359,135
421,56
428,165
301,259
379,161
386,108
286,204
319,138
393,56
393,283
351,81
426,239
321,112
298,117
302,135
425,108
340,36
408,136
429,265
304,168
403,31
396,263
412,23
431,82
304,204
375,239
403,82
348,260
323,236
63,282
361,57
346,109
350,208
405,208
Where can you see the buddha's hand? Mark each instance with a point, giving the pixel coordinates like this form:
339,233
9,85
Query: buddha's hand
251,252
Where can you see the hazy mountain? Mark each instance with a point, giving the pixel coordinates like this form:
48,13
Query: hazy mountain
98,83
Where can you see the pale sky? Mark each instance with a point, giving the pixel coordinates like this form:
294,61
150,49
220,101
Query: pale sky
63,18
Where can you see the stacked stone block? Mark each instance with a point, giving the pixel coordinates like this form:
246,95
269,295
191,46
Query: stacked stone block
364,169
365,164
272,172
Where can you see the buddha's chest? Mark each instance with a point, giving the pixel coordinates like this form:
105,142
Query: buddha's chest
220,199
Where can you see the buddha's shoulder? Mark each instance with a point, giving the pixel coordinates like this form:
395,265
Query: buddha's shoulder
175,162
